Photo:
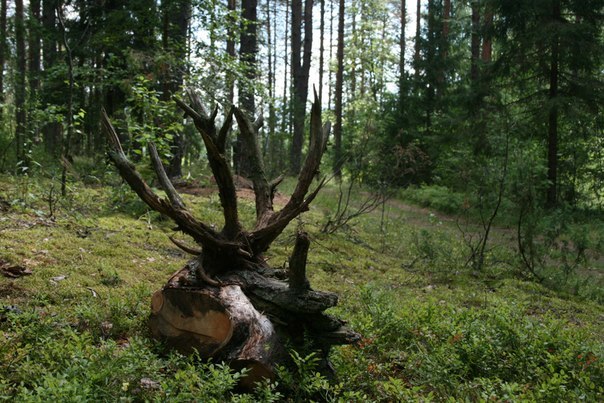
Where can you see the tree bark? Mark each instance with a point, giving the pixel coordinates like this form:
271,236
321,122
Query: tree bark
230,49
175,20
321,49
402,50
300,65
552,138
475,42
66,149
3,47
51,132
20,112
285,102
487,36
329,96
34,46
337,130
248,48
418,37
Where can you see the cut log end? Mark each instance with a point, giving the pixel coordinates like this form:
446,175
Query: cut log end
218,323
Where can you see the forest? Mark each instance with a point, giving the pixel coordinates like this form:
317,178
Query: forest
298,200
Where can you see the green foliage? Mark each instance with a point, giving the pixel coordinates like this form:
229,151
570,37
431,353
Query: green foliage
469,353
150,119
432,329
437,197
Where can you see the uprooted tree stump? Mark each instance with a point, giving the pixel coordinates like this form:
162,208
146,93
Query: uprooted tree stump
227,303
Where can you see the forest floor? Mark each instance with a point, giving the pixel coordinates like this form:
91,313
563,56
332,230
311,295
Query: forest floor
78,273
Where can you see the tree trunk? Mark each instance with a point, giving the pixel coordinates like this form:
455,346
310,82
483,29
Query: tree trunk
20,71
337,130
552,138
285,102
321,50
66,149
34,46
176,17
300,65
274,146
51,132
3,47
418,38
402,50
230,49
329,87
248,47
475,42
487,36
34,62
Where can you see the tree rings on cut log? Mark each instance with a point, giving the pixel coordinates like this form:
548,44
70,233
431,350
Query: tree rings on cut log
190,320
219,323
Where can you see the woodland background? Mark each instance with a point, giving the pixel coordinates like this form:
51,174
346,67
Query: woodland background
487,112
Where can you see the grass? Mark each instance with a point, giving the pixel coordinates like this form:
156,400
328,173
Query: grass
433,330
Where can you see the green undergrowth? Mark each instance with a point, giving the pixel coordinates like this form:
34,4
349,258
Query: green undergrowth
433,329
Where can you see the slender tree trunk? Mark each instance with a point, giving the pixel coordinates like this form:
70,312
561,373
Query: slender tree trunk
296,71
475,42
445,45
34,46
321,50
67,142
337,130
418,38
329,86
176,16
431,74
248,49
270,143
300,74
487,41
286,104
402,50
3,45
552,139
20,112
230,49
34,61
52,131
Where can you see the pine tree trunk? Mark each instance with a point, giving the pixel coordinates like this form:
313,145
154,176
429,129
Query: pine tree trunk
34,46
321,49
402,50
248,48
418,38
285,102
487,41
34,60
175,21
20,71
475,42
337,130
552,138
3,48
329,97
300,64
51,132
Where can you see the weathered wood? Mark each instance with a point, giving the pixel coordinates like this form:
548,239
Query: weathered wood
297,263
218,322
